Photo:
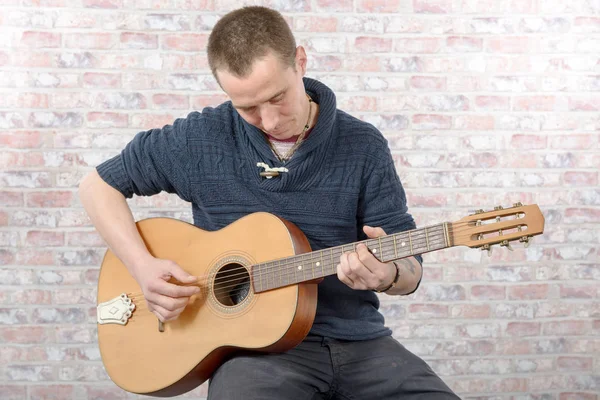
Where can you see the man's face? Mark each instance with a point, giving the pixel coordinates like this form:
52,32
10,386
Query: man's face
272,96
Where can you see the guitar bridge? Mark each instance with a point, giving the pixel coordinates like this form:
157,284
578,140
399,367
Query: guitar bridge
115,311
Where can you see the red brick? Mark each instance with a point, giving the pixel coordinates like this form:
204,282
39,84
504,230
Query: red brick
521,329
185,42
535,103
102,3
335,5
581,178
528,292
35,39
572,141
587,24
425,311
476,311
379,6
591,103
432,83
13,392
170,101
101,80
464,44
50,199
18,335
44,239
499,103
417,45
565,328
474,122
488,292
130,40
21,139
315,24
150,121
432,6
528,142
202,101
509,44
90,40
11,199
574,363
578,396
107,120
364,44
431,122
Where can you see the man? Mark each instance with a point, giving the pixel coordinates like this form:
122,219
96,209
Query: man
281,146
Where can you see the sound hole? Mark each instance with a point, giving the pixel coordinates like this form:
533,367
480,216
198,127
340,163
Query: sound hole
232,284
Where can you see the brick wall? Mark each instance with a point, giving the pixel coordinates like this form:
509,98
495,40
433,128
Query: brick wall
484,103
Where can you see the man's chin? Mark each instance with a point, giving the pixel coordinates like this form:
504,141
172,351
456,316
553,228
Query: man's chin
280,135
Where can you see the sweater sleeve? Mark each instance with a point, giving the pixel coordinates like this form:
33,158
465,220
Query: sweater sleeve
383,201
154,161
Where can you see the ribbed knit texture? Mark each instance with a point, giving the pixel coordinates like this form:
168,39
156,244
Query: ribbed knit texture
341,178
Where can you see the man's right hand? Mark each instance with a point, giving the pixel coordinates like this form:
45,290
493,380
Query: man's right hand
165,299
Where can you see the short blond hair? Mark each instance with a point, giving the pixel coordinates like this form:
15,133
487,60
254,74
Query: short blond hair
242,36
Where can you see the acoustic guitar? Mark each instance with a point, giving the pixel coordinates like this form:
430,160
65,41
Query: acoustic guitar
258,280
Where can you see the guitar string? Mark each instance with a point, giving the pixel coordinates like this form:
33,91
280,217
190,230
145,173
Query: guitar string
221,290
285,266
285,269
221,286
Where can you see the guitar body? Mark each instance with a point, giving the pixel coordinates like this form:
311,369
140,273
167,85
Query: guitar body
258,290
226,316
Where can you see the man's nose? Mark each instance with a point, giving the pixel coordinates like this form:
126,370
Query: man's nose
270,118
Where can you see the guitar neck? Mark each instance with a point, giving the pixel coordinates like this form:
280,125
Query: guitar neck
318,264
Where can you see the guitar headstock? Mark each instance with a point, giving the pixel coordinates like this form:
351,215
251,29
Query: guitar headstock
500,226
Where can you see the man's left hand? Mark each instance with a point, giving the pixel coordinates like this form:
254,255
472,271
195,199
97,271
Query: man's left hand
360,270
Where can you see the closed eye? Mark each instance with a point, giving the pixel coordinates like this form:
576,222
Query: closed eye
277,99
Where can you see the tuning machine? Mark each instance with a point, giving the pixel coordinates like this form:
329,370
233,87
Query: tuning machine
488,248
506,243
526,240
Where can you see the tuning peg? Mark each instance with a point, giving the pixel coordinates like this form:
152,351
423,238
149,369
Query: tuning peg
480,211
506,243
498,208
519,204
488,248
526,240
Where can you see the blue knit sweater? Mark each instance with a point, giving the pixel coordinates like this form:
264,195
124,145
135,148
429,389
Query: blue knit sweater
341,178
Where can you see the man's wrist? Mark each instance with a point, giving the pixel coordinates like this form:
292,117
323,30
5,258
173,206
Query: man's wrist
394,280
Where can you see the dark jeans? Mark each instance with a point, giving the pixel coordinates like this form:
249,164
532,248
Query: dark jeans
321,368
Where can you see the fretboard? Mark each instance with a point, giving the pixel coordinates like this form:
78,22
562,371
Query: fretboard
318,264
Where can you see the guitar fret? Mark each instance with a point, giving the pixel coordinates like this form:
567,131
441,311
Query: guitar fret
446,234
322,262
305,265
331,256
297,269
263,269
426,239
272,274
280,274
259,283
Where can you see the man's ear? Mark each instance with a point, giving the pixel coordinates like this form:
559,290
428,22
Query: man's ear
301,60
